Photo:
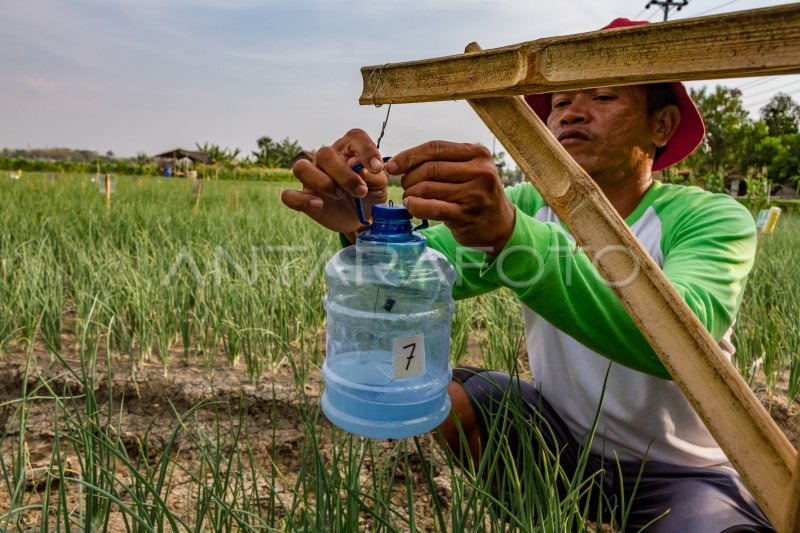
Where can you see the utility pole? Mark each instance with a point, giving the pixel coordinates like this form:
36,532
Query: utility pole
666,5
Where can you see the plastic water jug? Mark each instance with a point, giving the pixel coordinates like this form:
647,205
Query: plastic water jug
389,306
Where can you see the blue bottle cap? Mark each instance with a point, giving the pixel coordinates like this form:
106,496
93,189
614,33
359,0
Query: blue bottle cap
387,219
390,219
390,211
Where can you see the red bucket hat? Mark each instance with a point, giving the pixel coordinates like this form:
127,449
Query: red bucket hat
689,133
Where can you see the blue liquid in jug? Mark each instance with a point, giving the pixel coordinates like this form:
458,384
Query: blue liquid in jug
373,403
362,394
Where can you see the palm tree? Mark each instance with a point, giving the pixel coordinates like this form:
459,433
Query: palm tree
265,156
288,150
276,155
217,155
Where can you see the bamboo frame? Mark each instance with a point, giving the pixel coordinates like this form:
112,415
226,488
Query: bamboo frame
746,43
793,514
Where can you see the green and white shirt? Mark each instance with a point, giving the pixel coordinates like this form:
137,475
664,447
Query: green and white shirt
574,324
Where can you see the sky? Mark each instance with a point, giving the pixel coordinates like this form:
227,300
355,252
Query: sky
132,76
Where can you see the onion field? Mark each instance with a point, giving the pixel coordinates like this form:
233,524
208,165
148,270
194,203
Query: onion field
162,356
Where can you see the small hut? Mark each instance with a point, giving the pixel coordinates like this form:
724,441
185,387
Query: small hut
177,162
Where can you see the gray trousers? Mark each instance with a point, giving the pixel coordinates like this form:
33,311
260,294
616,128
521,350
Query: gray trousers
703,500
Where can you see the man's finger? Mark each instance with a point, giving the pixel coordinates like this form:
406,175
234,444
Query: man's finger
436,190
444,171
374,181
357,144
334,164
432,209
314,178
303,201
430,151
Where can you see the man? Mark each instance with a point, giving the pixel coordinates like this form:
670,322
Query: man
704,243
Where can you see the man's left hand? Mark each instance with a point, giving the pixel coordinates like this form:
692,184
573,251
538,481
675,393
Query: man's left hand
457,184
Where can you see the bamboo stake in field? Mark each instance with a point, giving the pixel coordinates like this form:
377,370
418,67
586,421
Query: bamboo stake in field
233,197
198,193
108,191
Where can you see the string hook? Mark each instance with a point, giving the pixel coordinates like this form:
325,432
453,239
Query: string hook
375,86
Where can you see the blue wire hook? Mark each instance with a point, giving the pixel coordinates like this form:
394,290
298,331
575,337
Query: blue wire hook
360,208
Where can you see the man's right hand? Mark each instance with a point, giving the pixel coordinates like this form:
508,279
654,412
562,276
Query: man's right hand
330,185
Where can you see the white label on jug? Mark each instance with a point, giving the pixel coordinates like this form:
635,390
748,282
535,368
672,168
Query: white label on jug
409,356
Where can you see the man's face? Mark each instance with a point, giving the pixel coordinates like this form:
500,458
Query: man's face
607,131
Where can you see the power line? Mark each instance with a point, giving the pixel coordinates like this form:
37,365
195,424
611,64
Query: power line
640,13
715,8
763,101
666,5
774,89
756,82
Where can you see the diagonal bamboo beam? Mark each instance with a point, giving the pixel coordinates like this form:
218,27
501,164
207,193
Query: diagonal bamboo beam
744,430
747,43
793,515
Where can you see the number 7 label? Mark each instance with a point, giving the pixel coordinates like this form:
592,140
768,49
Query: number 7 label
409,356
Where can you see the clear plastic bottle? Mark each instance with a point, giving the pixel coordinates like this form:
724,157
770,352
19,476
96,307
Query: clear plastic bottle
389,306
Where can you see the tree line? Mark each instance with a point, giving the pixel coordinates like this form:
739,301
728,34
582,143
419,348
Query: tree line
766,149
737,146
269,155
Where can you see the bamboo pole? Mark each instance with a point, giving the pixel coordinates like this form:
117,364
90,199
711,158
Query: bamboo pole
198,193
108,191
793,514
747,43
233,198
752,441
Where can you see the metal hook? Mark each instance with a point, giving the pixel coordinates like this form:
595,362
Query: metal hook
377,83
375,86
383,127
